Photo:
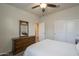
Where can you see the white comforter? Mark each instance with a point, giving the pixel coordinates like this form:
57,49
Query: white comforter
51,48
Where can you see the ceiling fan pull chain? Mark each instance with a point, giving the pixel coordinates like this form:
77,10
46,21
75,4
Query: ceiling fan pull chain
43,10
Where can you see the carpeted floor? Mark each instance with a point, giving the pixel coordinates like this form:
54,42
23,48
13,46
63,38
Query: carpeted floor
10,54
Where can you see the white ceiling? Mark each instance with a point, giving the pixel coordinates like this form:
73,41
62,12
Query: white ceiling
38,11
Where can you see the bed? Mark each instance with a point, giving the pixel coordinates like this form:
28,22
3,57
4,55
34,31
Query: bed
49,47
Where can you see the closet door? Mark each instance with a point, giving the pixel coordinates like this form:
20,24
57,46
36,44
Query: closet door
71,31
60,30
64,30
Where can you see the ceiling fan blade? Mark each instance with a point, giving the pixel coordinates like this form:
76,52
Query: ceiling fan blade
52,5
35,6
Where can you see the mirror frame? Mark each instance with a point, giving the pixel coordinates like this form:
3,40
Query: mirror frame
26,24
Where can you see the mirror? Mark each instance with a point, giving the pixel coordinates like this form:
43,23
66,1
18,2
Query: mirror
23,28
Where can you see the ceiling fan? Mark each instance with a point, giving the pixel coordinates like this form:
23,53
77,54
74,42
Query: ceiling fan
44,5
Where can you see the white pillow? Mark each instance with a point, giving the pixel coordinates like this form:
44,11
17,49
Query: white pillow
77,47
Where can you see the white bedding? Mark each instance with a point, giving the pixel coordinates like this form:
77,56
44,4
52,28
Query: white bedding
51,48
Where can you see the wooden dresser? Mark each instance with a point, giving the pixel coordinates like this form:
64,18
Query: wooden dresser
21,43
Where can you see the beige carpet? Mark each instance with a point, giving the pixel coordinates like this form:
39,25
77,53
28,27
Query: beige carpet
10,54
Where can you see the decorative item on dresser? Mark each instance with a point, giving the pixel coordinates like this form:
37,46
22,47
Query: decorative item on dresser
21,43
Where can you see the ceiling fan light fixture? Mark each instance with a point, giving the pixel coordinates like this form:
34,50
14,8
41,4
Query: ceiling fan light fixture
43,5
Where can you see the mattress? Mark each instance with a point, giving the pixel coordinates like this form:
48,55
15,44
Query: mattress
49,47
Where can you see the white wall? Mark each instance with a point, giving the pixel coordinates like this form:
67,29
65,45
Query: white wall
70,16
9,25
